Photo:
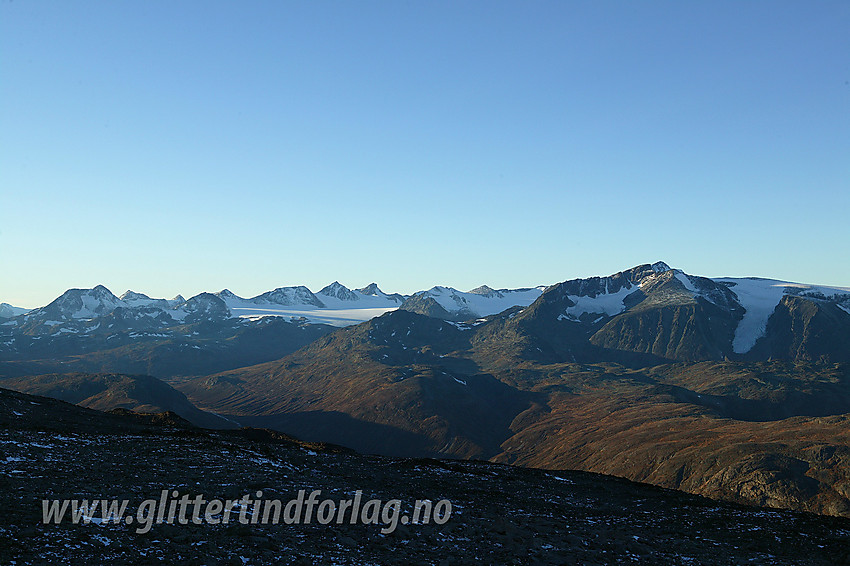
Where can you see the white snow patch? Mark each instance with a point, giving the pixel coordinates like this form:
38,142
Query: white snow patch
686,281
760,297
604,303
455,301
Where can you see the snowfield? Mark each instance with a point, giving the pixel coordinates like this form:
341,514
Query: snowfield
480,305
609,304
760,297
334,317
336,312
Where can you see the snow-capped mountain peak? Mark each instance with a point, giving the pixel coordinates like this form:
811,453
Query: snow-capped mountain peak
204,306
486,291
228,295
371,289
339,291
289,296
133,296
81,304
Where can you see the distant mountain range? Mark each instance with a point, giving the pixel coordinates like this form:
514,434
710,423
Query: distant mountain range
87,304
94,330
736,388
650,309
646,314
335,304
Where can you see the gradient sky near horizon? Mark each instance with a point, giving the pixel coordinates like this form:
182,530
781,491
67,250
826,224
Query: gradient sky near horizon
180,147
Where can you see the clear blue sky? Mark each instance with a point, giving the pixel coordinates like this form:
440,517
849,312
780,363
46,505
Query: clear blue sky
177,147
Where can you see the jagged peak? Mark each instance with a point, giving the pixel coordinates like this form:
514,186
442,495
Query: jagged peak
340,291
336,285
227,294
371,289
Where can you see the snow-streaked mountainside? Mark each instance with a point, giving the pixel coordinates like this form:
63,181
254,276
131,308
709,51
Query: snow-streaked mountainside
600,297
133,299
749,302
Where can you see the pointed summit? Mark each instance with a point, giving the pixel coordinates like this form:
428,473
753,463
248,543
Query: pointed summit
486,291
339,291
227,294
371,289
102,291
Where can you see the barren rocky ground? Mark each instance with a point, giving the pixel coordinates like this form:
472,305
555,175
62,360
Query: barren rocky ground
501,514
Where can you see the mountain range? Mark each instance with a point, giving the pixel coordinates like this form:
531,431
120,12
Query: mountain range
650,310
733,388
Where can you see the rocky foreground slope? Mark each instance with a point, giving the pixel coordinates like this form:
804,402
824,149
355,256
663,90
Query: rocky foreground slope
501,514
